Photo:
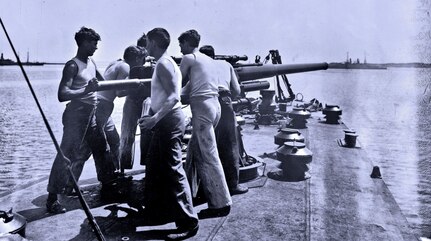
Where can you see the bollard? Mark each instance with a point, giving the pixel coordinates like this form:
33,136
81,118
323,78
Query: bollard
332,113
295,161
287,134
299,118
376,173
267,106
350,139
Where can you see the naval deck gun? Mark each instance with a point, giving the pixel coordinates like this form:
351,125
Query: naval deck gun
250,77
249,74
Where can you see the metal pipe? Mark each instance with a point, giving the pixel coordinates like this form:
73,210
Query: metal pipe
267,71
253,85
120,84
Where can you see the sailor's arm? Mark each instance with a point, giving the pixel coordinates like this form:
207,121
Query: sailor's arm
65,93
235,89
123,73
185,67
165,71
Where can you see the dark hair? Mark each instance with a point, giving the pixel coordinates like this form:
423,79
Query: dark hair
142,41
160,36
86,34
207,50
191,36
134,51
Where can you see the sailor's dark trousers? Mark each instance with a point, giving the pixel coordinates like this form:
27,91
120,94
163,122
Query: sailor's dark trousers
81,137
167,193
227,144
106,123
132,111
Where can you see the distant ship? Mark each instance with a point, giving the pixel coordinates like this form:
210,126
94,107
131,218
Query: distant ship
4,61
348,64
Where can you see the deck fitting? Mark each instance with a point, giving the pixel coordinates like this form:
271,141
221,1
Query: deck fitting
295,161
266,115
288,134
267,106
376,173
333,113
298,118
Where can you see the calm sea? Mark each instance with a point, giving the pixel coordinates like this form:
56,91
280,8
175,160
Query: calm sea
389,109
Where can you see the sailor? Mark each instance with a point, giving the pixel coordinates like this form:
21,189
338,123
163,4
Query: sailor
167,196
80,130
132,110
116,70
225,131
200,79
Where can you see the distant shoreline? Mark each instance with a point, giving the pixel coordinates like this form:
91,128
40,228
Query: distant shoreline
338,65
54,63
30,63
332,65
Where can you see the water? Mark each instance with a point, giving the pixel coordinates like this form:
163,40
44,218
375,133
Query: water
389,109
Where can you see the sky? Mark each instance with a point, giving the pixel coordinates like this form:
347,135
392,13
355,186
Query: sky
303,31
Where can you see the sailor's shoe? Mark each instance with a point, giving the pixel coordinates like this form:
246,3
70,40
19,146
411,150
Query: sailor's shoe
239,189
184,232
214,212
55,207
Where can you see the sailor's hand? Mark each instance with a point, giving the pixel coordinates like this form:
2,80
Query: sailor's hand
142,85
151,60
222,88
93,84
147,122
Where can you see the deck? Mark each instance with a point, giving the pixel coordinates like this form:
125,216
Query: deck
339,202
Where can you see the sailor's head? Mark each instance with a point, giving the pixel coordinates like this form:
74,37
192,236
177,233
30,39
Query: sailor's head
87,38
207,50
135,55
157,38
142,41
189,40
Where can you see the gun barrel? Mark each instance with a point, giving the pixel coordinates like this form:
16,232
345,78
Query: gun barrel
245,73
242,101
267,71
120,84
253,85
231,58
